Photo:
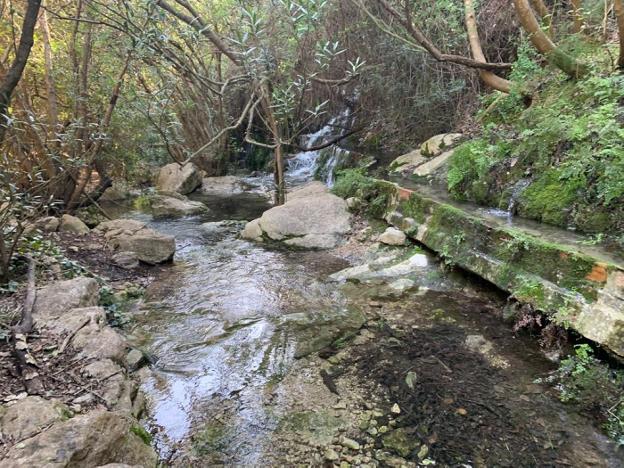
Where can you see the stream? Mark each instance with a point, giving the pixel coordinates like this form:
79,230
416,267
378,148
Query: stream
234,330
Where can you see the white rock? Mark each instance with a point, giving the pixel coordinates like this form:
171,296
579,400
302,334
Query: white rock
393,236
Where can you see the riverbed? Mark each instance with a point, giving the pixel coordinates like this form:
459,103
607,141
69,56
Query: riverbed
259,358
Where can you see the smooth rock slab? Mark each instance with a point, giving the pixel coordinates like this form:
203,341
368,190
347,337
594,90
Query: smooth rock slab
57,298
93,439
372,271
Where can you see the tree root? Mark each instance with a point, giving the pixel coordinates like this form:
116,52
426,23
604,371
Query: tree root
26,365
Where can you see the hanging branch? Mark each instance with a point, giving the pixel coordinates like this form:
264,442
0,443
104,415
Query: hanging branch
423,41
489,78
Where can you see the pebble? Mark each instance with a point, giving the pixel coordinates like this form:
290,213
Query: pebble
383,429
395,409
372,431
340,405
331,455
349,443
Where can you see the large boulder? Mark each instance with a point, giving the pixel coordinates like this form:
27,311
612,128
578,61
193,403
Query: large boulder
73,225
181,179
57,298
148,245
93,439
31,415
172,206
311,218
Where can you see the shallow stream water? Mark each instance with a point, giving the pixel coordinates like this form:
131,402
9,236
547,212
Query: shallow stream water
225,323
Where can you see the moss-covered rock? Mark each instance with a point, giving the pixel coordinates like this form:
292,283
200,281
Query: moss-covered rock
576,288
567,145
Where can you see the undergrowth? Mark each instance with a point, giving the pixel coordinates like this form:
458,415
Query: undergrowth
560,160
594,387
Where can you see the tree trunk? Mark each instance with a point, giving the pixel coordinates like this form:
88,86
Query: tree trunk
280,185
569,65
577,16
13,76
26,364
618,6
49,77
490,79
545,15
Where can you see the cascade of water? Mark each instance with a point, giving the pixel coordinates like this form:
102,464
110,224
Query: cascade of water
517,190
302,166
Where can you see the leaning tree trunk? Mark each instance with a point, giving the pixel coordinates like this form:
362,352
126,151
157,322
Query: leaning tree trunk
13,76
490,79
566,63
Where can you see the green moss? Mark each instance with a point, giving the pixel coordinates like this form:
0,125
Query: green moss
567,143
142,202
210,439
376,194
145,436
551,197
531,291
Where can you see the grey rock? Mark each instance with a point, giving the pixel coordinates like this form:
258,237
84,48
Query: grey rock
181,179
54,299
48,224
165,206
349,443
93,439
437,144
30,415
311,218
126,260
127,235
393,236
222,186
73,225
135,359
331,455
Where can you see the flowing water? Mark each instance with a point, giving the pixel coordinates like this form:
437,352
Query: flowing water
226,324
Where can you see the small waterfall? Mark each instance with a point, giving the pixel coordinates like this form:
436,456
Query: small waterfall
516,191
303,166
326,169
